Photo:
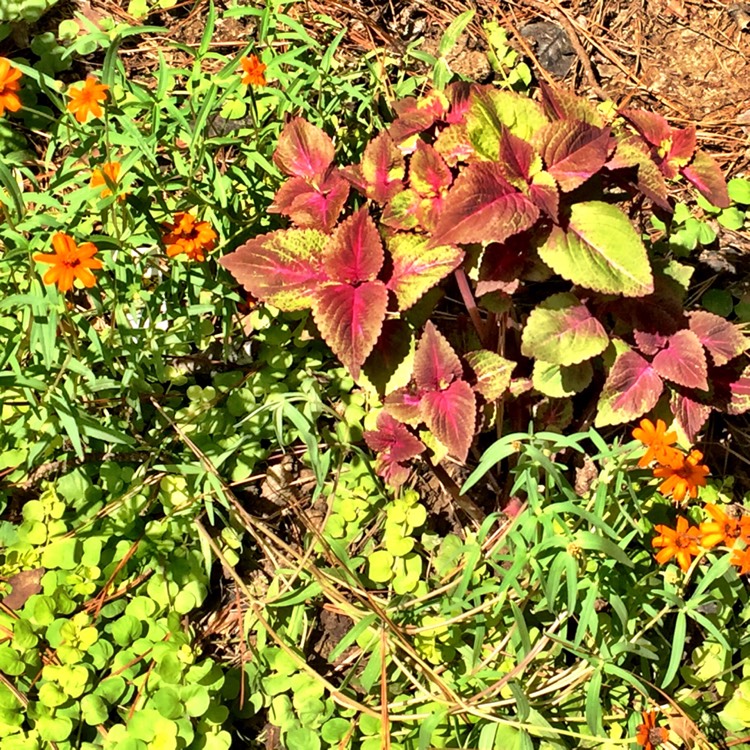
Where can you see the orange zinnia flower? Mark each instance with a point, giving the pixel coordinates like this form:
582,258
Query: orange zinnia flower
657,441
741,558
723,529
109,170
680,543
85,99
255,70
649,735
186,235
683,475
69,262
9,87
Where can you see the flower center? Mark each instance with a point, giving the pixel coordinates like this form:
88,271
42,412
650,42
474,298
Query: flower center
656,736
683,541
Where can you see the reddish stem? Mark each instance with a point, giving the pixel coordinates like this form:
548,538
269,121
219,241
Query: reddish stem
471,306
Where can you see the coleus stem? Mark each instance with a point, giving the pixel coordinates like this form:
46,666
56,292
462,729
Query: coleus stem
471,306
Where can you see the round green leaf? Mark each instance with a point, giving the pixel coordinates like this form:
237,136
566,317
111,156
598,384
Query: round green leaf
380,566
94,710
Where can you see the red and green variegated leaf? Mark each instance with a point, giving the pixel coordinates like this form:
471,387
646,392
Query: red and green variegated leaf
409,125
355,252
403,404
503,264
683,361
417,269
631,152
436,365
632,388
428,212
282,268
654,128
561,104
573,151
458,94
723,340
428,173
304,150
482,206
739,390
557,381
562,330
490,109
452,143
382,169
601,250
451,415
544,193
312,207
401,212
690,414
492,372
393,438
350,319
518,160
706,175
683,145
731,388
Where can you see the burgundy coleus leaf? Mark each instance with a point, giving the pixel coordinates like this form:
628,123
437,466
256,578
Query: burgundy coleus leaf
304,150
682,145
393,438
350,319
654,128
380,175
544,193
723,340
632,388
502,265
573,151
650,343
283,268
706,175
690,414
436,365
632,152
517,158
458,94
482,206
561,104
355,252
429,175
395,446
683,361
450,414
310,206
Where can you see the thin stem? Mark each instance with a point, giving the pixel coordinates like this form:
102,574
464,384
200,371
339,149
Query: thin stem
471,305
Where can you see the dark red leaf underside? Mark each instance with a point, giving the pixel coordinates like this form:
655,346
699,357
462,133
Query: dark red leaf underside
683,361
502,265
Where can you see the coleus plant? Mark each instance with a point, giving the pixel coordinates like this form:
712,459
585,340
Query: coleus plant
513,198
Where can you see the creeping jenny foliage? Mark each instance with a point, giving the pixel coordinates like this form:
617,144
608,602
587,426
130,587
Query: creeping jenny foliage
197,549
